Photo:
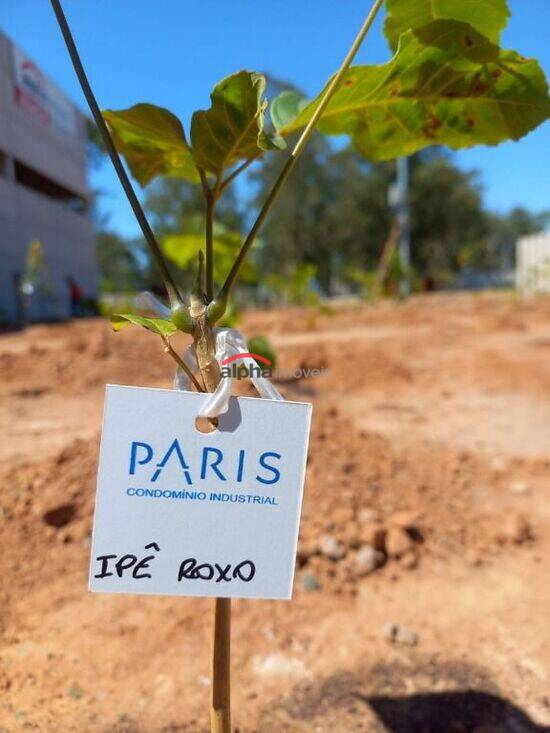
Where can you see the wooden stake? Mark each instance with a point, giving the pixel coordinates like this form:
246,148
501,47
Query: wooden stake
220,665
220,652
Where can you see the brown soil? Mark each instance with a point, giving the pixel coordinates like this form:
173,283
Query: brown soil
429,441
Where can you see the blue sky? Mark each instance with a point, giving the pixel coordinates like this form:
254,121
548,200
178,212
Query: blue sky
171,52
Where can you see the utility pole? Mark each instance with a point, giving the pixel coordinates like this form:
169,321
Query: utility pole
398,200
402,213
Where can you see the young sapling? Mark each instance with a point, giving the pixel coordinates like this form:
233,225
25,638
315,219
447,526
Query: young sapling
448,83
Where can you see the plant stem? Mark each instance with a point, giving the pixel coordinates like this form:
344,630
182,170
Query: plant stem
238,171
210,197
220,659
173,292
179,361
304,137
210,206
220,703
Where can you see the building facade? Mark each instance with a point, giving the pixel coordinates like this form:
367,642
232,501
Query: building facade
533,263
44,196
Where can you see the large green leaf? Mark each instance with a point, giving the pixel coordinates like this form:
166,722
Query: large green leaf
152,141
446,85
158,325
182,249
489,17
232,130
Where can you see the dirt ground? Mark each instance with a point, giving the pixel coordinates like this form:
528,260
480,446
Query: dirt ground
422,592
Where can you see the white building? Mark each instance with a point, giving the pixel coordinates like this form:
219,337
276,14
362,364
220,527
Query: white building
533,263
43,189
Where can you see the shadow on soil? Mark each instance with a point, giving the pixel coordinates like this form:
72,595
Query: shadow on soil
453,712
415,696
421,696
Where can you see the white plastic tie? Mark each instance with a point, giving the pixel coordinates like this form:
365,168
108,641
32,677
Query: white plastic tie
229,343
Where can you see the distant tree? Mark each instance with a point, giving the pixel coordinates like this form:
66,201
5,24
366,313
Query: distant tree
300,230
336,196
359,215
447,216
173,207
121,263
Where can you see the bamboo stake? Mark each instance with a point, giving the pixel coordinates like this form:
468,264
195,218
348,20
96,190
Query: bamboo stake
220,651
220,665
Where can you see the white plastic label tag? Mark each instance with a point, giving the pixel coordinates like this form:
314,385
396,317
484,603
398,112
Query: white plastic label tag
181,512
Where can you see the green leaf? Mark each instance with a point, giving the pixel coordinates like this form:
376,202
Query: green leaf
233,128
488,17
152,141
182,249
161,326
446,85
